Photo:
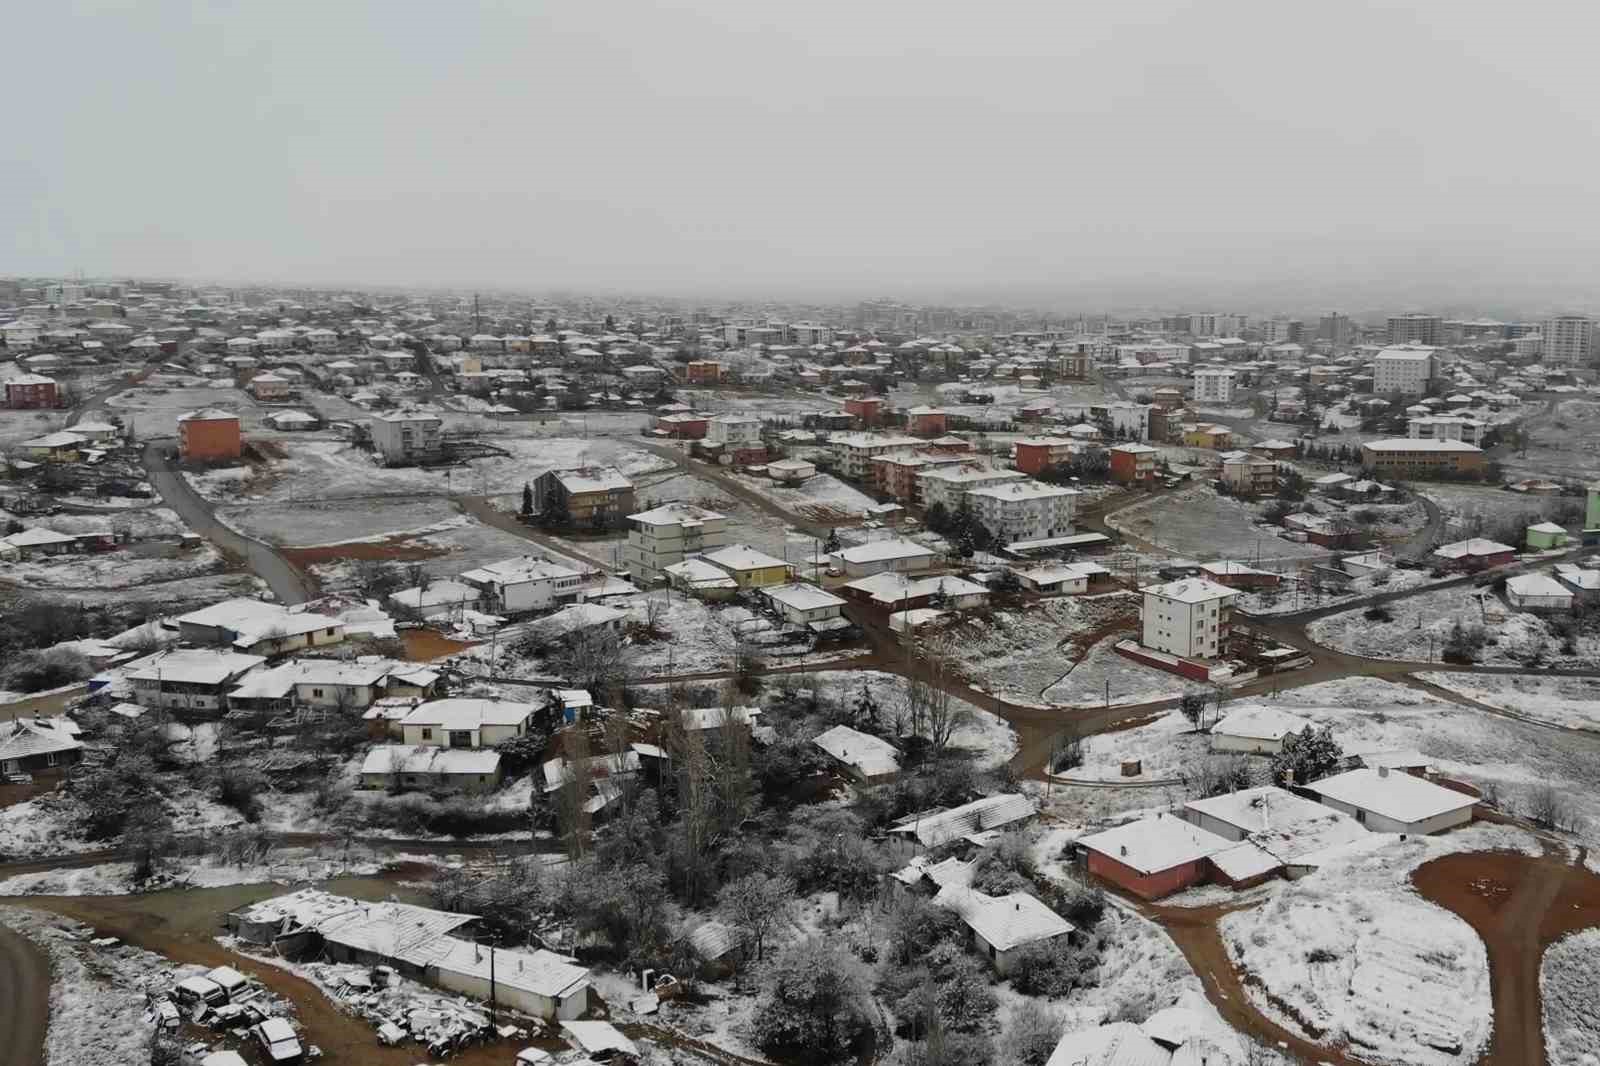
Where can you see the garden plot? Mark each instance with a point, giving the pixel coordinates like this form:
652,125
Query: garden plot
1199,524
153,407
1019,654
1105,678
1569,985
1418,629
127,567
1352,954
1504,758
1573,702
1474,510
820,497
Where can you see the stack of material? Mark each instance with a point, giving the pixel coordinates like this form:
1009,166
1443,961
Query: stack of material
401,1010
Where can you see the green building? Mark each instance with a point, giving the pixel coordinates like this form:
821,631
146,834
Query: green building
1591,514
1546,535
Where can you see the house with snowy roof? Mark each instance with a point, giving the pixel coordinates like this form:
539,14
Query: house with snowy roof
1000,928
1256,730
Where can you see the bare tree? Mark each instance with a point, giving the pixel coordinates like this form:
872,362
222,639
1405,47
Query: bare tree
943,714
759,905
695,796
593,659
572,812
1550,809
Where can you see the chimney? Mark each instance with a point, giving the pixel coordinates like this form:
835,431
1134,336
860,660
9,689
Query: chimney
1383,771
1124,850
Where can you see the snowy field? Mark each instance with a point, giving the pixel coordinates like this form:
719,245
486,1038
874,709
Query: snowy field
1569,983
1463,506
1566,444
1199,524
813,498
1352,954
285,867
1573,702
153,408
990,739
1301,596
125,568
1103,673
1420,626
1167,748
1019,654
18,426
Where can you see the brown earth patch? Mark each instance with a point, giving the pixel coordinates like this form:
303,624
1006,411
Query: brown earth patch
426,645
393,549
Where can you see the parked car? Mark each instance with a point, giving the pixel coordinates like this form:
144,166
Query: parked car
278,1040
193,990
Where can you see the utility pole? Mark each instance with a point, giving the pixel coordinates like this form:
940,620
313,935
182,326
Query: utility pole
477,315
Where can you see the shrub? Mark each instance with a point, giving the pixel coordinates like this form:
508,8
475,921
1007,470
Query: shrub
38,670
812,1005
240,787
1378,613
1053,968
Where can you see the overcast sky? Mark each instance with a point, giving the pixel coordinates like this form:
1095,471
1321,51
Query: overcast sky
1052,147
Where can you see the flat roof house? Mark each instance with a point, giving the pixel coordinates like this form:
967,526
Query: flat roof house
868,759
1389,801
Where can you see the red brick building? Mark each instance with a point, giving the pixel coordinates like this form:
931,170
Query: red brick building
1034,454
27,391
209,435
1133,464
683,426
869,409
1153,857
704,372
925,421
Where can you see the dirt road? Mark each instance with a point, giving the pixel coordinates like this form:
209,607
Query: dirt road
24,1000
1518,905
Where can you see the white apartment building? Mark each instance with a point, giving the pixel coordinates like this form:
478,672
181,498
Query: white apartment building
1405,369
1568,340
809,333
512,586
403,437
1279,330
1415,329
734,430
855,451
947,484
1212,324
1213,384
662,537
1024,510
1189,617
1446,427
1528,346
1153,352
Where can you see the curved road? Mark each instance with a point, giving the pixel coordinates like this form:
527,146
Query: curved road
24,1000
286,580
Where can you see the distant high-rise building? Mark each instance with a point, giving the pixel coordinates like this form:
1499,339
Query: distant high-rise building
1280,330
1337,328
1203,325
1416,329
1568,340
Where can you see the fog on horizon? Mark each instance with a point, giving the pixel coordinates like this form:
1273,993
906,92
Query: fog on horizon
1106,150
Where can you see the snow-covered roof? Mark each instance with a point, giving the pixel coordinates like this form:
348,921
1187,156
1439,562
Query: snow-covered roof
884,550
599,1037
209,414
1546,527
575,617
672,514
933,828
1539,585
1006,922
429,759
437,594
1023,490
41,736
593,479
1260,723
1417,444
1395,795
742,557
872,756
469,713
701,574
59,439
1246,860
1157,843
801,597
37,536
1113,1044
518,571
1191,590
700,718
1472,546
541,972
891,586
200,666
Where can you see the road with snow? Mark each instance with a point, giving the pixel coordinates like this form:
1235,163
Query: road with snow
24,1000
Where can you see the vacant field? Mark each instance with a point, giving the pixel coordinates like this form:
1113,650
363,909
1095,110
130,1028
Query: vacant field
153,408
1473,510
1019,654
1105,678
1573,702
1564,443
1201,525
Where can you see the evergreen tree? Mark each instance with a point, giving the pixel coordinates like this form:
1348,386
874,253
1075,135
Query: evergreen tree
527,499
832,543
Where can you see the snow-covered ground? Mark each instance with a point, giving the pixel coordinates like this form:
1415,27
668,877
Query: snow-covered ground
127,567
49,824
817,495
1105,676
1569,984
1166,749
983,733
1573,702
1302,597
288,866
1422,624
1020,654
1352,953
1197,523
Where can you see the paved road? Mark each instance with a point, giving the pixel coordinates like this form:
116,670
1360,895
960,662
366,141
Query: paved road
484,510
286,580
24,1000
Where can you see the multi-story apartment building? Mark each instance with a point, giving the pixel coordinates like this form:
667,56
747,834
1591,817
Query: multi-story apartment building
1446,427
1213,384
1406,369
404,437
1280,330
1035,454
1133,464
946,485
1568,341
1250,475
591,495
1148,352
854,452
809,333
1337,328
1024,510
1190,617
31,391
1416,329
1404,457
662,537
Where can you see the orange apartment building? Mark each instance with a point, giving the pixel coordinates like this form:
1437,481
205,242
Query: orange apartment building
1133,464
704,372
209,435
869,409
1035,454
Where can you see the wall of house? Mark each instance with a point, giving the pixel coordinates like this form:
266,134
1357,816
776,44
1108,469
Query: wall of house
1249,745
573,1006
202,439
1147,886
1377,823
1212,824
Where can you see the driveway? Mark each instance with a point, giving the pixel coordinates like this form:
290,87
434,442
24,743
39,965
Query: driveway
286,580
24,1000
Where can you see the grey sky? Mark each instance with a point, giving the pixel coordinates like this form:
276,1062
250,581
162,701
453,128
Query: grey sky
830,147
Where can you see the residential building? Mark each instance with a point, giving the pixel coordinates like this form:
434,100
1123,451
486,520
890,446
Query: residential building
1388,801
38,746
684,425
1153,857
696,577
1000,928
1024,510
791,471
854,452
1237,575
1403,457
573,621
704,372
1416,329
406,437
926,421
1538,592
437,599
1256,730
1249,475
946,485
1474,553
1072,579
663,536
1034,455
867,759
739,436
21,334
466,723
531,583
1190,617
429,766
1133,464
868,409
805,605
890,553
1280,330
259,628
750,568
1544,536
901,593
1337,328
936,828
31,391
1568,341
1446,427
209,435
1405,369
189,679
333,684
59,447
1205,435
1213,384
1148,352
594,496
269,387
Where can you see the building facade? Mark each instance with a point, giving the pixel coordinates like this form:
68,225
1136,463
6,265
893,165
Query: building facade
1568,341
1404,369
1024,510
402,438
1189,618
209,435
1213,384
662,537
1416,329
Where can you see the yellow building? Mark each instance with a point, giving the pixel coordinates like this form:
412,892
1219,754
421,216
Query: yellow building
1204,436
752,569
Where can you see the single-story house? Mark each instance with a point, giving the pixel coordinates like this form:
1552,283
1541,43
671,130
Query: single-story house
36,745
937,827
870,760
750,567
1000,927
790,471
900,593
1257,730
37,540
1584,583
429,766
891,553
189,679
1538,592
1474,553
1236,575
59,447
1153,857
258,627
1546,535
292,420
438,599
1072,579
806,605
1388,801
696,577
466,723
575,619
